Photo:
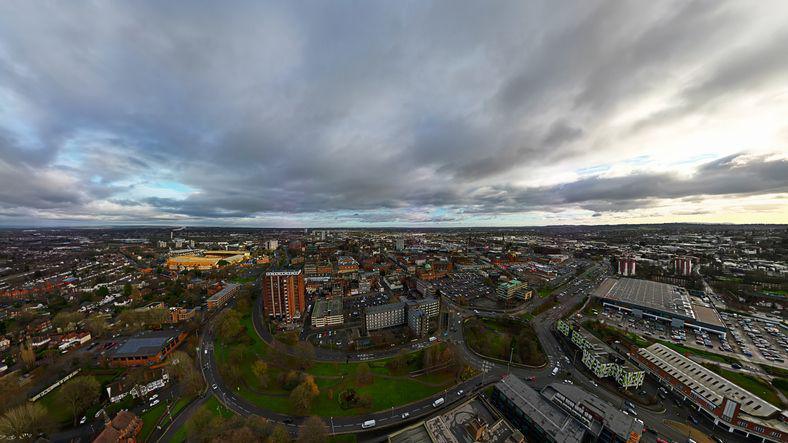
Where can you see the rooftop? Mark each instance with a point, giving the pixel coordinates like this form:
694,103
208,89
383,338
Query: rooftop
553,420
704,382
228,288
385,308
146,343
325,307
670,299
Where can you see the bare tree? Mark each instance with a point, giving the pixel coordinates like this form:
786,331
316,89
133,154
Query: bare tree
78,394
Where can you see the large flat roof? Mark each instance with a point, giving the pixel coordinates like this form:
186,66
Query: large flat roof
325,307
146,343
559,424
228,288
673,301
704,382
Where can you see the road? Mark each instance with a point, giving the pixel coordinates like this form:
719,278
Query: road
491,372
338,425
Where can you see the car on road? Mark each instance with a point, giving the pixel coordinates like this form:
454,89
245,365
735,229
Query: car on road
154,403
215,386
368,424
405,415
288,421
532,378
693,419
555,370
460,392
438,402
569,382
83,420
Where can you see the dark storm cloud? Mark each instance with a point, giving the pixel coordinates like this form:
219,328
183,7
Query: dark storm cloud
289,108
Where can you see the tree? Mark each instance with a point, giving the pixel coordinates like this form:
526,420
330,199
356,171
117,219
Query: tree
260,370
67,321
313,431
25,422
305,354
10,391
27,355
181,368
279,435
96,325
303,395
78,394
230,327
127,289
102,292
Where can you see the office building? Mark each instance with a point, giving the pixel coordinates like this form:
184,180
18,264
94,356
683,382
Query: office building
561,413
384,316
600,359
327,313
513,289
399,244
271,244
283,294
418,322
223,296
425,288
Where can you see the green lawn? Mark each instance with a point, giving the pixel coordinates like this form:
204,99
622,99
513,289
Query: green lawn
330,376
149,420
495,338
544,292
213,405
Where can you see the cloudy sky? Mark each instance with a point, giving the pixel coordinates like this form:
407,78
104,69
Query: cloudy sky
393,113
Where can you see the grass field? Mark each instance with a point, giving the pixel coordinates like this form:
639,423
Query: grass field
149,420
386,390
212,405
495,338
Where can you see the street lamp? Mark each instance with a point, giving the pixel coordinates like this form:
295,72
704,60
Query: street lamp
332,425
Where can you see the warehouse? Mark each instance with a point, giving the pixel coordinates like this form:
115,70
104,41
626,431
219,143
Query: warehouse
660,301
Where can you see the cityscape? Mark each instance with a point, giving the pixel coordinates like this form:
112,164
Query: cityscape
394,222
628,333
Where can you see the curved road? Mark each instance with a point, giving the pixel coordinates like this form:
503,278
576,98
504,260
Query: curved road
492,371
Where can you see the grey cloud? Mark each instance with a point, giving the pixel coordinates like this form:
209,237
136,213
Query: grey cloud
285,108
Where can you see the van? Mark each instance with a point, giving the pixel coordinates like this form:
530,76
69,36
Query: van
438,402
368,424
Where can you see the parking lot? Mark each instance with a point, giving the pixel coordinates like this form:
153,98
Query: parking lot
754,339
464,284
757,337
